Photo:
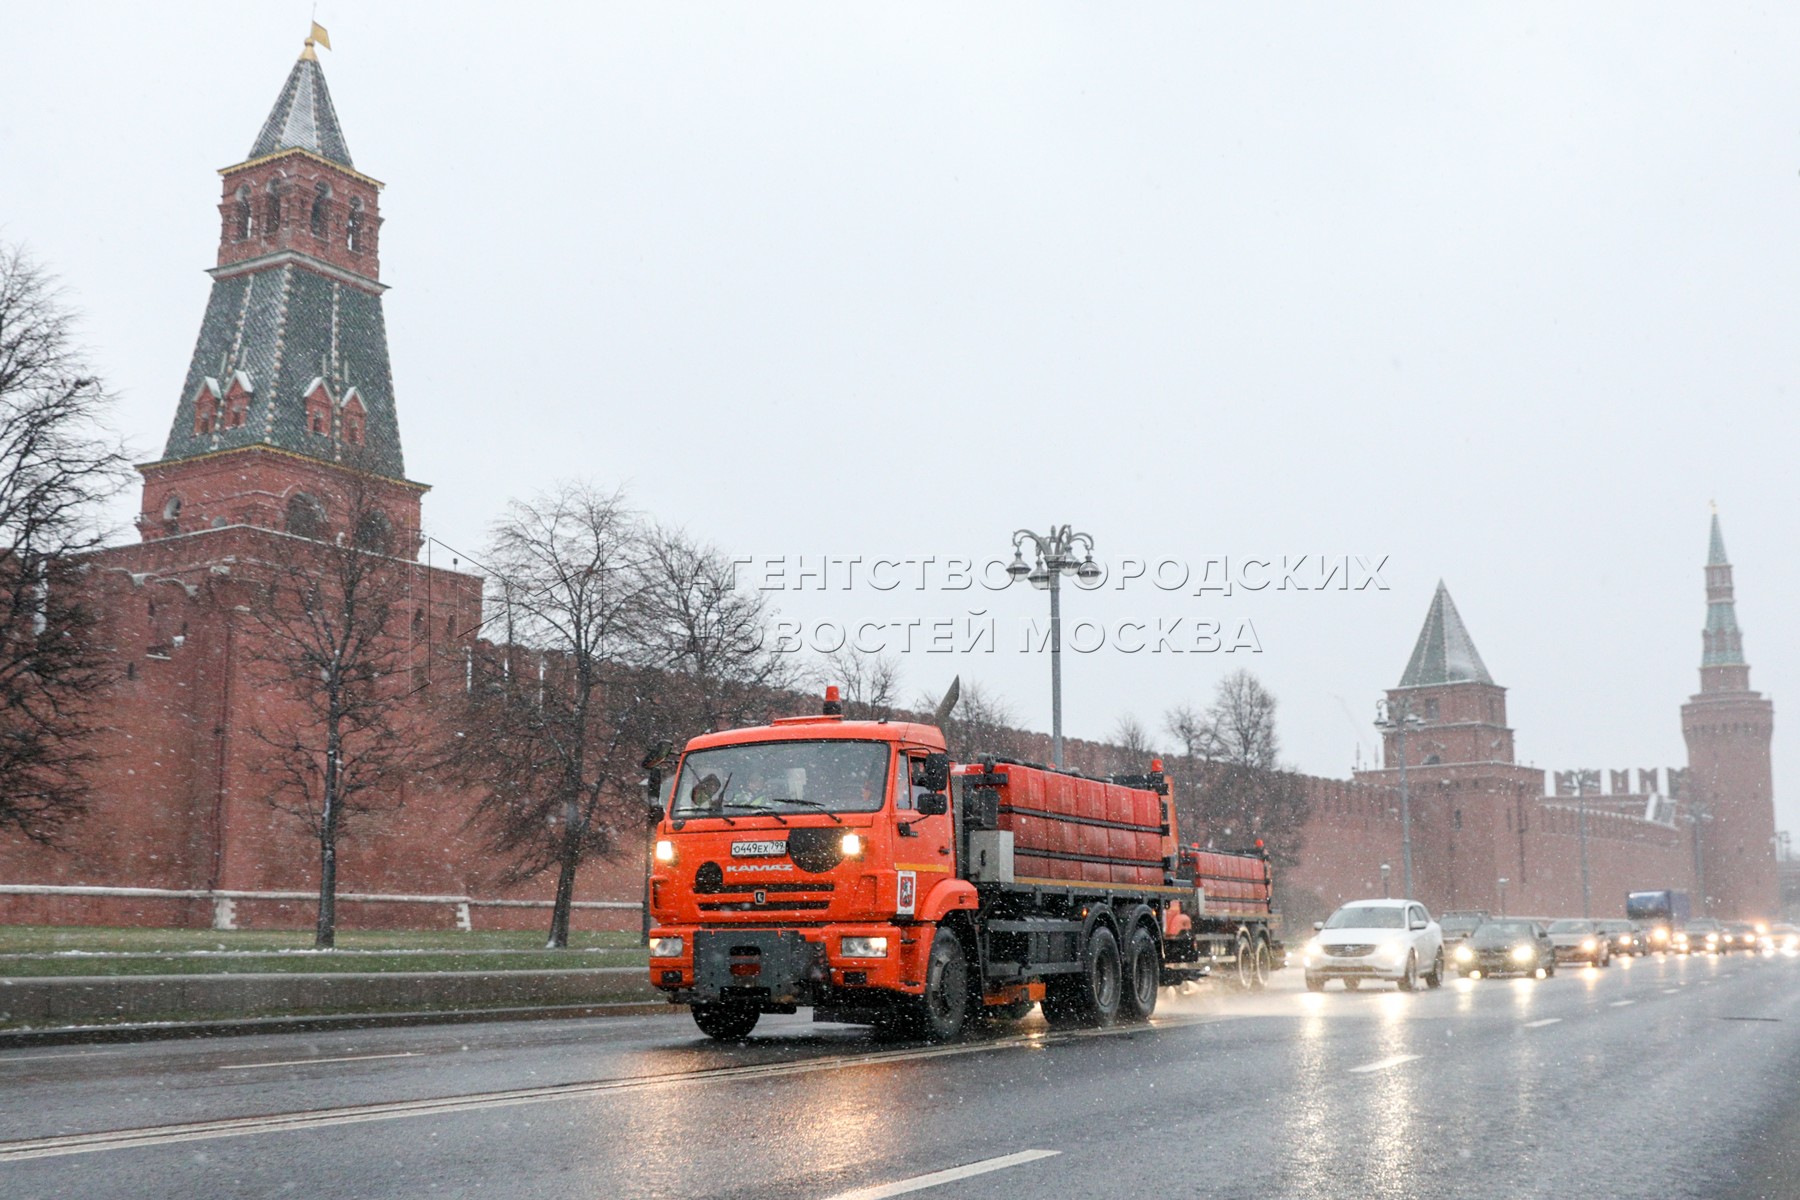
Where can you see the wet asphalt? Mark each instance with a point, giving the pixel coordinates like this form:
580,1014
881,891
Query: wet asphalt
1654,1078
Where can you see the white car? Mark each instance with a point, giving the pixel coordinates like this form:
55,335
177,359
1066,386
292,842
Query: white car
1376,939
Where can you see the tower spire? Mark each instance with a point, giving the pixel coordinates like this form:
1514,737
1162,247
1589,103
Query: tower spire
1722,664
1444,653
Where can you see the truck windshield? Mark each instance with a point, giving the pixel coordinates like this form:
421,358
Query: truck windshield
782,777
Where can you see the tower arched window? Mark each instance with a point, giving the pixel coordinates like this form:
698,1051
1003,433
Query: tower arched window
374,531
206,413
245,220
305,516
353,228
272,208
321,221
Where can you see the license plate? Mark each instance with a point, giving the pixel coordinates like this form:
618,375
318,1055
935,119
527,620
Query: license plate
757,849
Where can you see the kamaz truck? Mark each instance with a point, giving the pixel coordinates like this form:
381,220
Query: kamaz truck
852,867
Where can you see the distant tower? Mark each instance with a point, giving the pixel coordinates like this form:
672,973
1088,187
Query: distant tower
1728,728
1467,792
287,414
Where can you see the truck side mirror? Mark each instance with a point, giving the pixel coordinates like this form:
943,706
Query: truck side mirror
934,773
933,804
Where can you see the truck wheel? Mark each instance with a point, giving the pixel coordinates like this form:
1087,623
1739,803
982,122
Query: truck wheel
938,1015
1090,996
1243,971
1143,975
725,1022
1262,964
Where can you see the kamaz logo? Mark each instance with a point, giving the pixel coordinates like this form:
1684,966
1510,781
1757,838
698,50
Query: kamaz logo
763,867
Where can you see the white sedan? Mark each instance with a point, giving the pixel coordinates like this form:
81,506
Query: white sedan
1376,939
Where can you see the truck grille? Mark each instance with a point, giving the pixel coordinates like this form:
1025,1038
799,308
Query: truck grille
769,906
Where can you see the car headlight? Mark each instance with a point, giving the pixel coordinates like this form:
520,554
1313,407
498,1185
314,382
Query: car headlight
1523,954
1589,944
1464,954
1625,939
665,851
863,947
665,947
1712,937
852,845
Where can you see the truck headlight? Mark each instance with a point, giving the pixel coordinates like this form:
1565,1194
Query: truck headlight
1464,954
665,851
1523,954
665,947
852,845
863,947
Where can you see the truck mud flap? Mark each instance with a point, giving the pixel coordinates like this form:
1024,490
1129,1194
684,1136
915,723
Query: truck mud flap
763,967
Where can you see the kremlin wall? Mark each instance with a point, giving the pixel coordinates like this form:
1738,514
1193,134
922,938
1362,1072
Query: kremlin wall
288,413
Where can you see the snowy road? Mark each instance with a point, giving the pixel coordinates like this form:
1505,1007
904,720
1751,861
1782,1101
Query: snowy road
1654,1078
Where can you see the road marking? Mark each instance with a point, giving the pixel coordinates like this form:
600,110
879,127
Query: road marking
159,1135
13,1058
1383,1064
1542,1023
1622,1003
1670,991
307,1062
919,1183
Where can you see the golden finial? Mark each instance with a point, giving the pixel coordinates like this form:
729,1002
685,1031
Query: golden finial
319,37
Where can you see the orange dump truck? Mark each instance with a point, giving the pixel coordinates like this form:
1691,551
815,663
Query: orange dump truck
851,867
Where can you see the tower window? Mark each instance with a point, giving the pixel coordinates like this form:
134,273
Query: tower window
272,221
237,410
374,531
353,228
172,508
353,428
320,215
206,413
305,516
244,219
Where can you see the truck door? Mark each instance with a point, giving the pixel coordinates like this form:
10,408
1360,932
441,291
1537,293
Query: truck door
921,844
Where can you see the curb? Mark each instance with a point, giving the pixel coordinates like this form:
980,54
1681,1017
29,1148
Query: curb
160,1031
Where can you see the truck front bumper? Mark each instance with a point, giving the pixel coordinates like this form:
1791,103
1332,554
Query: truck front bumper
781,969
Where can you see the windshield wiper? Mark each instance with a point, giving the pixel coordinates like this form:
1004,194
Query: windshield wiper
814,804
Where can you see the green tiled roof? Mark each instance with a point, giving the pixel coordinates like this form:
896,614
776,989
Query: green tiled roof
1715,550
278,330
303,118
1444,653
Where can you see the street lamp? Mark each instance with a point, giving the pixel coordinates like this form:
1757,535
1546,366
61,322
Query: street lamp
1503,895
1398,719
1384,881
1581,825
1055,558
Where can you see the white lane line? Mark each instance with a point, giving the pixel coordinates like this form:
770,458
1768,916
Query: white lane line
1621,1003
1542,1023
13,1058
307,1062
919,1183
1383,1064
1670,991
161,1135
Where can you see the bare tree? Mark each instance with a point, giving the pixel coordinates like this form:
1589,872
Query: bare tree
980,724
561,710
708,634
1131,745
330,646
869,683
56,465
1236,789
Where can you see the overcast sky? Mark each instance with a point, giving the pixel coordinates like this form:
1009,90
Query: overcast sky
1504,295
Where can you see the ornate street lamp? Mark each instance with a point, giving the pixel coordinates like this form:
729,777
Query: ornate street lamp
1399,719
1056,557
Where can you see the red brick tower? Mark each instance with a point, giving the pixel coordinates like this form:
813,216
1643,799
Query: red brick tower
288,407
1469,800
1728,728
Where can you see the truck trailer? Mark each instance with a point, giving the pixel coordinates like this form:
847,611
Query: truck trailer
851,867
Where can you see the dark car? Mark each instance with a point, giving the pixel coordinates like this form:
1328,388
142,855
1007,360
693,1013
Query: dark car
1580,941
1701,935
1457,926
1739,935
1503,947
1624,937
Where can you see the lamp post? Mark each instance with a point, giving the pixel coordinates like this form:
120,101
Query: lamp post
1581,826
1503,895
1397,719
1384,880
1055,558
